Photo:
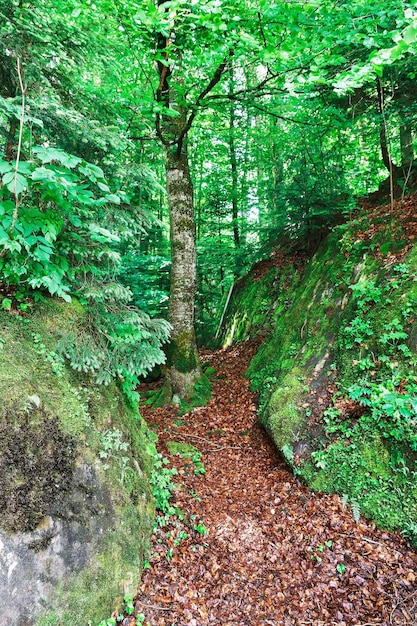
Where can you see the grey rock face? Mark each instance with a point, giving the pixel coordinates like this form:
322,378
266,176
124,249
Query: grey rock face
34,563
75,502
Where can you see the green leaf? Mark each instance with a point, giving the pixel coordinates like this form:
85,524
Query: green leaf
48,155
15,183
410,34
25,167
75,220
43,173
6,207
4,236
102,234
93,172
6,304
42,253
111,197
5,166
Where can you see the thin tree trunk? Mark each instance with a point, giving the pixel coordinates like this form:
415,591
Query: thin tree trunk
406,142
386,158
244,185
183,363
384,140
276,173
233,167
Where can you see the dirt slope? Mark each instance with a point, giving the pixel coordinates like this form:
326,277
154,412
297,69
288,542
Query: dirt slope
275,553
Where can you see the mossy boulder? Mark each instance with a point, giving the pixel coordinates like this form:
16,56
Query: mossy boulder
75,506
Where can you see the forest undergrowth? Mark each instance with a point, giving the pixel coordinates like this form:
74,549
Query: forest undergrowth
242,542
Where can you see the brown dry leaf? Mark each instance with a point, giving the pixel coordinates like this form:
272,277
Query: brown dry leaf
258,564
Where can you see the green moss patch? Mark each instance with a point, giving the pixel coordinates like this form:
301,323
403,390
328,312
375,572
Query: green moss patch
253,303
363,470
185,450
200,395
283,417
92,594
181,352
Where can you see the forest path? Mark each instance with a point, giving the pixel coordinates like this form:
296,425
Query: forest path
275,552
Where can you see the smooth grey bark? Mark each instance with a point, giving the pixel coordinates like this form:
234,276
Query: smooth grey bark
184,369
183,362
183,366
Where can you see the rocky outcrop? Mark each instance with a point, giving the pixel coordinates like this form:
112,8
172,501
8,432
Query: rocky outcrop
75,503
336,371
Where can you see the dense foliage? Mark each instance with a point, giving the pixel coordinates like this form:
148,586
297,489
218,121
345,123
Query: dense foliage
287,112
152,151
66,222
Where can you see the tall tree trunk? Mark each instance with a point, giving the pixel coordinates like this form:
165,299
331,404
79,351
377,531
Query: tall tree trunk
276,172
245,183
199,196
233,164
184,369
183,362
233,167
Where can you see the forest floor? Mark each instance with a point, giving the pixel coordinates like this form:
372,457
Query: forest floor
256,546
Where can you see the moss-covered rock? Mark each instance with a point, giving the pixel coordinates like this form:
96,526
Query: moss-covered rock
346,323
282,416
75,507
254,301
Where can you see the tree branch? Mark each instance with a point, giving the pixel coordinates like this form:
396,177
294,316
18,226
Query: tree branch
283,117
194,109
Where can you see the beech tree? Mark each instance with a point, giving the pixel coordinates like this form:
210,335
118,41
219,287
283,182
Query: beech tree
173,123
207,54
194,45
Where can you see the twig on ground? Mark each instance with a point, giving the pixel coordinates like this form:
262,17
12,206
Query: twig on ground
377,543
400,603
153,606
224,448
210,443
